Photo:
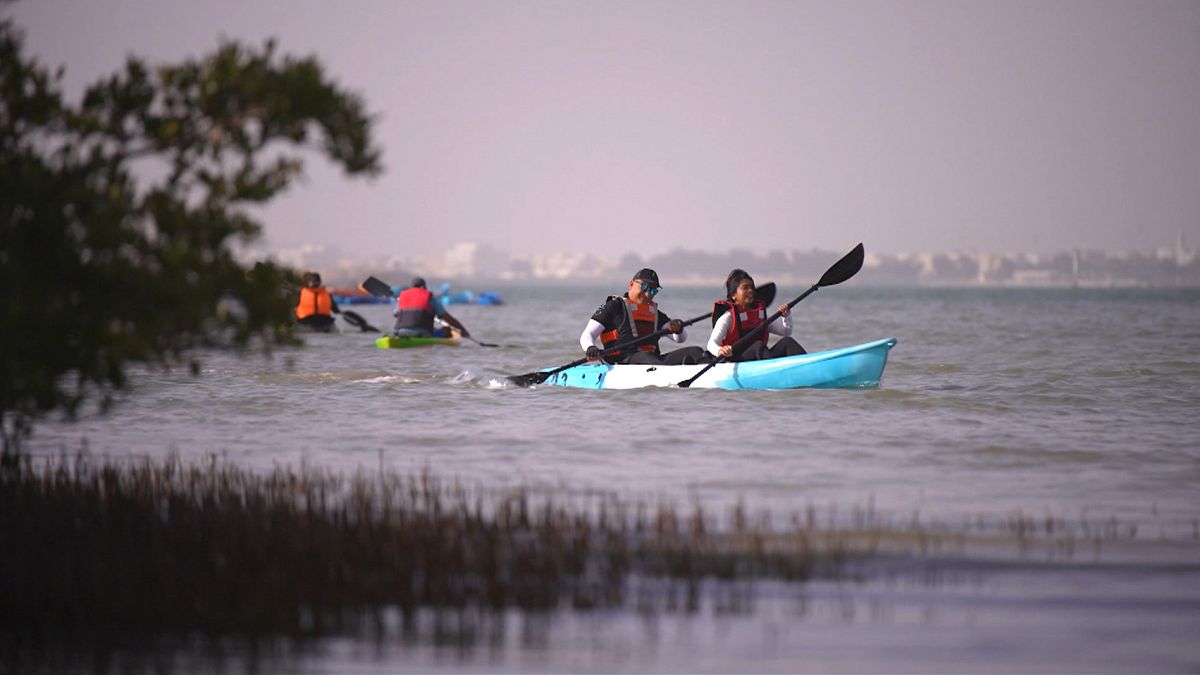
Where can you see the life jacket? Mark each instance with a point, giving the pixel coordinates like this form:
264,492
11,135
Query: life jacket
314,301
744,320
414,309
639,320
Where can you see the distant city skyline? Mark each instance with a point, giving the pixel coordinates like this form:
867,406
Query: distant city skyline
331,252
601,129
1168,266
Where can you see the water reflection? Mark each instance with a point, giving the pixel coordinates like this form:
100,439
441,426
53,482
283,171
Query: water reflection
159,567
931,616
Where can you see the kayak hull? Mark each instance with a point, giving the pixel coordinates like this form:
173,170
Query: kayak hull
407,341
855,366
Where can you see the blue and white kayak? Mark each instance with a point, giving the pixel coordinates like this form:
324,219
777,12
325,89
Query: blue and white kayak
857,366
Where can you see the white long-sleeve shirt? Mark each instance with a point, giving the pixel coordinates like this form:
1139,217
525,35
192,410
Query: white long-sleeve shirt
591,335
781,326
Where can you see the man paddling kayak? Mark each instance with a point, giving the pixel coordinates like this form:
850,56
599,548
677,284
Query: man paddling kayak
634,314
416,310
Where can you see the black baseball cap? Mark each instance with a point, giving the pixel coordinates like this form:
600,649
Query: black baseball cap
647,275
418,282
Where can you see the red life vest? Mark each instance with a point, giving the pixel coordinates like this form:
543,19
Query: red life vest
414,309
639,320
314,301
744,320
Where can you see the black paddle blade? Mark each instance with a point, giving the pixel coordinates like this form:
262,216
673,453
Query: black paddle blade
528,379
376,287
845,268
538,377
354,319
765,294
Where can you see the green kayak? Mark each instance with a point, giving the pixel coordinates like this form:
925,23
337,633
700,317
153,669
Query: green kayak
406,341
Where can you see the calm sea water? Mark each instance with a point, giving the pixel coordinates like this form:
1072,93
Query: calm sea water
1075,404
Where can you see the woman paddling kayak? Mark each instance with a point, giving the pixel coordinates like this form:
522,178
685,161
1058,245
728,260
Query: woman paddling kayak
742,312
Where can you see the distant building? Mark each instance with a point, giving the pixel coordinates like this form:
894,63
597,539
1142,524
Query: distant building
469,259
1173,266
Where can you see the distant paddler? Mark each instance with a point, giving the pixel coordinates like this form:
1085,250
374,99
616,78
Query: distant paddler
417,308
316,307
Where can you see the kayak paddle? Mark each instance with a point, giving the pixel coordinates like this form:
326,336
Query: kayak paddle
381,289
841,270
481,344
540,376
356,320
377,288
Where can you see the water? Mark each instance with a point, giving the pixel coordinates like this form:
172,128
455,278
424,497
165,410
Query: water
1073,404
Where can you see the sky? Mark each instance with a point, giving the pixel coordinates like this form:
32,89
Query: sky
643,126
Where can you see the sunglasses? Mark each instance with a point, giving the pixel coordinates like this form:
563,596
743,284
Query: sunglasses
650,290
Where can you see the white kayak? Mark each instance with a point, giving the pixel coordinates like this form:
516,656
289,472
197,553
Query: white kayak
857,366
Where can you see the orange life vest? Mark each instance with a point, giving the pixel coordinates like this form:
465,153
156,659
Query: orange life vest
744,320
639,320
314,301
414,309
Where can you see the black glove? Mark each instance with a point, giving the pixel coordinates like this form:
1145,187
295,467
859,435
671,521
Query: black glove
593,353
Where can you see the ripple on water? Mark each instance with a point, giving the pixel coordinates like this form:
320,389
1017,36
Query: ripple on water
315,377
1124,373
1031,454
944,368
387,379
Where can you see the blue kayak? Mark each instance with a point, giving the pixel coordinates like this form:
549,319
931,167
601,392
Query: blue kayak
857,366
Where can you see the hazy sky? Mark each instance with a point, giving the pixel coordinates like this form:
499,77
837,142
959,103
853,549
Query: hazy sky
606,127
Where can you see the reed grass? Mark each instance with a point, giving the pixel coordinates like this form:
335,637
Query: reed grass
164,548
94,552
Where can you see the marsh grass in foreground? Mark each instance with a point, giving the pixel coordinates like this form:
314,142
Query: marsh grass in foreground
150,551
168,549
